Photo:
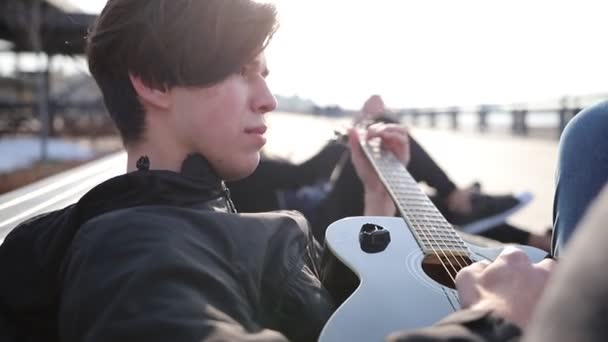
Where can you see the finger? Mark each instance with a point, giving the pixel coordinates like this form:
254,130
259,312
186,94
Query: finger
465,281
399,149
468,276
395,135
374,130
546,264
396,128
379,127
479,266
484,263
513,255
390,134
396,142
471,272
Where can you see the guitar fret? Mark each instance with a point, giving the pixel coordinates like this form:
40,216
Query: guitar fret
432,231
441,242
447,252
432,240
437,239
440,238
444,244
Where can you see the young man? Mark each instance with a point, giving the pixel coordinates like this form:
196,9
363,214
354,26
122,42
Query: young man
159,254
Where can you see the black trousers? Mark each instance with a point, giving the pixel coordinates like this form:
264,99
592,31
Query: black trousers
258,192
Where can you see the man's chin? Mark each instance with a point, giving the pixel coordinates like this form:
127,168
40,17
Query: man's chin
243,171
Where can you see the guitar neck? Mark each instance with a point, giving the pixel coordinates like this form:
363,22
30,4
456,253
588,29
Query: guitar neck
432,231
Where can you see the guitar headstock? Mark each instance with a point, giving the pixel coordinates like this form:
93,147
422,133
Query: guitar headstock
341,134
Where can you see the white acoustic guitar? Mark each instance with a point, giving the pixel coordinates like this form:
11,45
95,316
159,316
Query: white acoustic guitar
405,266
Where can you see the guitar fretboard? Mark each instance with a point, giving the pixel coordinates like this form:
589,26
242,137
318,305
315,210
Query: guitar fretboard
433,233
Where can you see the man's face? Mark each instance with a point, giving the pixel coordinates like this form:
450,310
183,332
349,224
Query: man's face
226,122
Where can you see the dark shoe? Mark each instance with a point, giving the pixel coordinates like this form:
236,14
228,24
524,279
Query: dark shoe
489,211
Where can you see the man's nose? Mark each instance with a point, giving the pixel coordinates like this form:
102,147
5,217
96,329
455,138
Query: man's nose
265,102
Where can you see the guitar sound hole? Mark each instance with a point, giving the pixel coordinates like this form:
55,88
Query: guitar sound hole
443,269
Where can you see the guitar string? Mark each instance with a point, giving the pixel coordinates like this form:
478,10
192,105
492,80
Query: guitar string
340,135
446,229
425,199
454,240
426,234
449,230
401,209
444,226
420,224
413,217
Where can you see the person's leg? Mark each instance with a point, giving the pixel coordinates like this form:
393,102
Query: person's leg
424,169
508,233
276,177
346,199
469,207
581,172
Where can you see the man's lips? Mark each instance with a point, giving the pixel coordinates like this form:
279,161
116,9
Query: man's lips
256,130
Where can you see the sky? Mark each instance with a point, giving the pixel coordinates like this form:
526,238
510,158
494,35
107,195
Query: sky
435,52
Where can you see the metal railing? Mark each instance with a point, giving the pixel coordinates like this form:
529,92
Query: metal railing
562,110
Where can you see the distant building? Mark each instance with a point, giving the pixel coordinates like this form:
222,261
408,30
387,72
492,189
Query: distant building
63,26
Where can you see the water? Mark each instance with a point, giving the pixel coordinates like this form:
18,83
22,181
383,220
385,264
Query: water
501,162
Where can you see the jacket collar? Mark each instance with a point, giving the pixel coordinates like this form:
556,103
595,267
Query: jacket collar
195,184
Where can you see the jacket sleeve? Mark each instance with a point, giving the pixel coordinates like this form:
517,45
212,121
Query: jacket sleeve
464,326
131,282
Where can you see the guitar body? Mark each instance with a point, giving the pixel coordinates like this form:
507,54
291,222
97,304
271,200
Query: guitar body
395,292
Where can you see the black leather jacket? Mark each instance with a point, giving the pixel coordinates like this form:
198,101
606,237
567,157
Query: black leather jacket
159,256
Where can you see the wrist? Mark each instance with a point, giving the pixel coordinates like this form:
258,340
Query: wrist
378,203
497,308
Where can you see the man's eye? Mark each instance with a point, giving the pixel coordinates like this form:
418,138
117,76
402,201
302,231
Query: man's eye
244,71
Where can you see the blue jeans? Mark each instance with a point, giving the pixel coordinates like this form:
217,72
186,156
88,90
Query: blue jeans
582,170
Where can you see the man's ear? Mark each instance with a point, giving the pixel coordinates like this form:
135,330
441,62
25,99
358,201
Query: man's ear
150,96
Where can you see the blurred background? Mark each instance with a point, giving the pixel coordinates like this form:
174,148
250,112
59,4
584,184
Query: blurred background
485,86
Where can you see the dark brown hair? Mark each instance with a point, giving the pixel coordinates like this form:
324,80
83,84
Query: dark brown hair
168,43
